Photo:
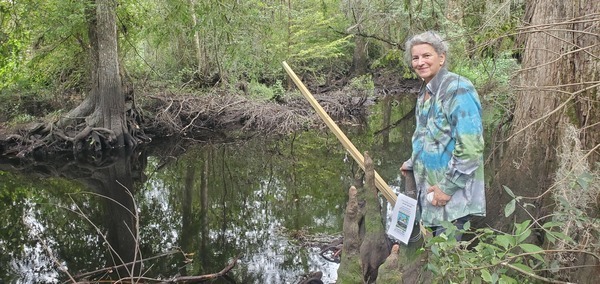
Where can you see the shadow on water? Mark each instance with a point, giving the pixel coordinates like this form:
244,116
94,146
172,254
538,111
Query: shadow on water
177,209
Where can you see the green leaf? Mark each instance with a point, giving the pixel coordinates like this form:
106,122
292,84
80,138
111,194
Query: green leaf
551,224
505,241
437,239
496,261
561,236
467,226
507,279
523,267
509,208
486,276
584,180
433,268
508,191
531,248
495,277
521,227
550,238
523,236
435,250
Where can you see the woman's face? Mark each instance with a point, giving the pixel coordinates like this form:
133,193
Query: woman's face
425,61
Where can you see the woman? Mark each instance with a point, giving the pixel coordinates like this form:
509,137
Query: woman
447,145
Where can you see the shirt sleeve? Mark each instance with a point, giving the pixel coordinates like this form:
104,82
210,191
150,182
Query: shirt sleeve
464,114
409,164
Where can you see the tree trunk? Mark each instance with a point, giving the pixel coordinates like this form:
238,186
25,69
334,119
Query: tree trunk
530,159
109,122
367,254
112,101
202,61
585,72
356,14
556,87
359,58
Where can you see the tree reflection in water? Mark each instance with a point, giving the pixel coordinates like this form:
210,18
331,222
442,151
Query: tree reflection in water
213,203
270,202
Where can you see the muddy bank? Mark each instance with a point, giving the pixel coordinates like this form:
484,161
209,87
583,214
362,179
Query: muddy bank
217,116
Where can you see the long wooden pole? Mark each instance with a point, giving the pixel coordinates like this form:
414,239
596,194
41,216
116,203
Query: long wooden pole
358,157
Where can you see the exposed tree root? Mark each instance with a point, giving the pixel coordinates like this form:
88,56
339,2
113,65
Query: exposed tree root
203,117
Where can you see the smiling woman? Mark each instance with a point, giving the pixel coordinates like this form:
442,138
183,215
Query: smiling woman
447,145
426,54
426,61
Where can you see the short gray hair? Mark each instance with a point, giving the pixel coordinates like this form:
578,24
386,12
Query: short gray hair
430,37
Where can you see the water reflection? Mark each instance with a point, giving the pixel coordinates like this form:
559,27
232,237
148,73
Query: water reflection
188,209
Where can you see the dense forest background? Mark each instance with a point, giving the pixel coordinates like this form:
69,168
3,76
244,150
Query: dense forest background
534,63
190,45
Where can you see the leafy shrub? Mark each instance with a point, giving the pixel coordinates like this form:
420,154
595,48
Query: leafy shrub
260,91
492,256
364,84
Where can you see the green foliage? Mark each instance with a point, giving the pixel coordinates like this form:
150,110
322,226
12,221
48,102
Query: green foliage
492,260
496,257
260,91
394,58
44,44
488,72
363,84
22,118
278,90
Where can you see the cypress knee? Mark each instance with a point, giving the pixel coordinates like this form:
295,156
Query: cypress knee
375,247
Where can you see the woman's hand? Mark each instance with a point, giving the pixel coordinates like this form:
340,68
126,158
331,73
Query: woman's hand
439,197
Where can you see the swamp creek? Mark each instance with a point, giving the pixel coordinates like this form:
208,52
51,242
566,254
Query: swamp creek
269,202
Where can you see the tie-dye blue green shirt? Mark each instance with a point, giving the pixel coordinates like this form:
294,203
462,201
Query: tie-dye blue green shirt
447,148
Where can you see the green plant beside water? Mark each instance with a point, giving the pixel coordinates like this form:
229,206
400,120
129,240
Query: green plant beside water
492,256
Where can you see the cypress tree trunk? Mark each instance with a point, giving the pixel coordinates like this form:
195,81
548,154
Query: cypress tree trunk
551,92
556,87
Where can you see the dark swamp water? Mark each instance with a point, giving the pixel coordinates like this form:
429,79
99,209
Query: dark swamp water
193,209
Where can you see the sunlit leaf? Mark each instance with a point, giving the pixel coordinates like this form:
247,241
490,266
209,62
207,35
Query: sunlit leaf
508,191
523,236
551,224
507,279
486,276
510,208
467,225
505,240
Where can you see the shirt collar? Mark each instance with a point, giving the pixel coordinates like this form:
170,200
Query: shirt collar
435,83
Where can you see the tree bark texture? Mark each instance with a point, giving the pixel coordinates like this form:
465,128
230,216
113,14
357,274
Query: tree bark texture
356,14
557,86
585,70
112,101
366,245
545,83
109,122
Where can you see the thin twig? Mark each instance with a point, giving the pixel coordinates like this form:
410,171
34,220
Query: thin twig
82,275
193,279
